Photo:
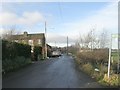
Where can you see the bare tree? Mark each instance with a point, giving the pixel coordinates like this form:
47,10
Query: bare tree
97,43
103,39
81,42
94,39
86,40
90,39
7,34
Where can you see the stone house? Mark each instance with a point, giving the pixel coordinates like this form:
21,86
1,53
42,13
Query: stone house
32,40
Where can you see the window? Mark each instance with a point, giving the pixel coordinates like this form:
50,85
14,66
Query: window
39,41
16,41
24,41
32,48
30,42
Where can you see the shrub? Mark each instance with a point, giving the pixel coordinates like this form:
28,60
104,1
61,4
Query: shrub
11,50
88,68
103,69
37,53
96,56
97,75
14,64
14,55
112,81
88,60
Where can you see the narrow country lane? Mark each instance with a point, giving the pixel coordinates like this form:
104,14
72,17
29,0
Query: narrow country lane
53,73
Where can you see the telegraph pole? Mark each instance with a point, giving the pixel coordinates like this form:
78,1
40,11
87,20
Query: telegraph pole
109,56
67,45
118,53
45,40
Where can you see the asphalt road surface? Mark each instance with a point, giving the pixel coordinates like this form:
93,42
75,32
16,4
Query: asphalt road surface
52,73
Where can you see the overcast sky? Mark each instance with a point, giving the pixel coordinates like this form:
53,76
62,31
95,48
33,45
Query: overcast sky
63,19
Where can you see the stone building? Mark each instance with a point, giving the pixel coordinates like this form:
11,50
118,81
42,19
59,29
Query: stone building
32,40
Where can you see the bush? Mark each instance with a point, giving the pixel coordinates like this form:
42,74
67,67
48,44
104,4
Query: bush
37,53
14,55
97,76
88,60
96,56
78,61
112,81
14,64
11,50
88,68
103,69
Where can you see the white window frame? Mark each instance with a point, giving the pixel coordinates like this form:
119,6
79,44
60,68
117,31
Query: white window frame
15,40
39,41
30,42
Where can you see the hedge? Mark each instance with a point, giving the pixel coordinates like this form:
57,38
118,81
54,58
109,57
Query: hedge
37,55
15,55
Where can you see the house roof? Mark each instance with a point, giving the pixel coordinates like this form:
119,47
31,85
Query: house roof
29,36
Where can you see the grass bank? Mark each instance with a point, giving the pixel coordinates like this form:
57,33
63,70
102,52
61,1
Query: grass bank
96,67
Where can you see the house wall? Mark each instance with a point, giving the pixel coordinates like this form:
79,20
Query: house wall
31,39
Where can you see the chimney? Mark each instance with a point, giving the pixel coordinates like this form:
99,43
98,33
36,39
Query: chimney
25,33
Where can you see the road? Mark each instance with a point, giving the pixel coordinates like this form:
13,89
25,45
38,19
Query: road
53,73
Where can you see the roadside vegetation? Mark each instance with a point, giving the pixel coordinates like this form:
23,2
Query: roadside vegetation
91,55
97,67
14,56
17,55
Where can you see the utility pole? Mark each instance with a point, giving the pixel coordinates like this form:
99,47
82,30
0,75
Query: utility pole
67,45
45,40
118,53
55,46
109,56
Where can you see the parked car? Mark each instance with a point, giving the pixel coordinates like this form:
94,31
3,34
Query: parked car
56,53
